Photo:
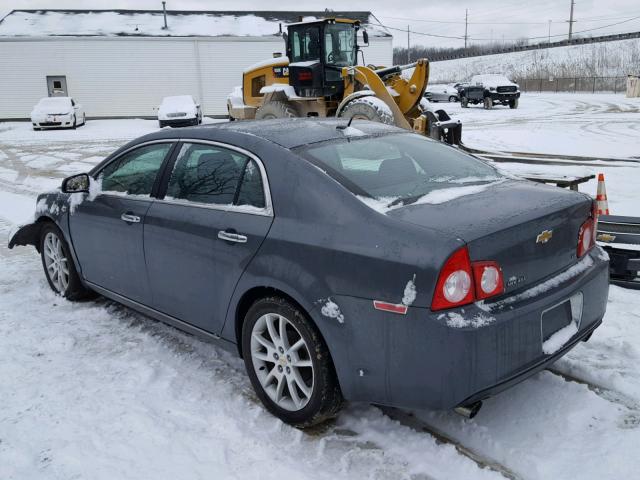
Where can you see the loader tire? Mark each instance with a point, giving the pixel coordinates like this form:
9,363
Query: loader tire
276,109
368,108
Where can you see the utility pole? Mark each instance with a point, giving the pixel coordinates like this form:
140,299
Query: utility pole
549,41
466,25
408,47
571,20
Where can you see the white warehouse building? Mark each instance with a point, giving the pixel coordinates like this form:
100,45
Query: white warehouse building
120,63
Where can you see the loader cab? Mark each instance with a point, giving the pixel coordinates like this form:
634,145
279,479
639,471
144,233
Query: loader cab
317,52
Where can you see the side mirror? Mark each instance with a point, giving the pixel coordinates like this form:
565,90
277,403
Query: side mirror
76,183
365,37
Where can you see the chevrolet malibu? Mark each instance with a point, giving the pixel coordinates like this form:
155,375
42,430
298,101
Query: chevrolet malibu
356,262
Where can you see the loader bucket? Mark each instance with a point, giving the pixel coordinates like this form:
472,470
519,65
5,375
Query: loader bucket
441,127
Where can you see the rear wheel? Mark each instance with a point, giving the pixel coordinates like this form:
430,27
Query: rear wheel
513,103
276,109
58,265
453,98
488,103
289,364
368,108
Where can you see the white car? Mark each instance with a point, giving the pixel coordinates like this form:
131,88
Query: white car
179,111
441,93
57,112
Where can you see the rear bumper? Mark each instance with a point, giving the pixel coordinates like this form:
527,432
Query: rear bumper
424,360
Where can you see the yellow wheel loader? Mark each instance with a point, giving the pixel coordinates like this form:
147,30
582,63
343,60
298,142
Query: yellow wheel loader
320,77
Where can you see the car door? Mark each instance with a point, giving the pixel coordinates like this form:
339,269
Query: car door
200,236
106,231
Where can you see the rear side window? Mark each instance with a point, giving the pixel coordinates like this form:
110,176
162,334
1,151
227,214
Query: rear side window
398,167
135,172
215,175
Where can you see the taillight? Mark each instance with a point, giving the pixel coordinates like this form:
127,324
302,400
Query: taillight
304,75
462,282
587,233
488,278
454,285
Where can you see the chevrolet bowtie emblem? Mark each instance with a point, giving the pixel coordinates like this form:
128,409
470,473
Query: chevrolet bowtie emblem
606,237
544,236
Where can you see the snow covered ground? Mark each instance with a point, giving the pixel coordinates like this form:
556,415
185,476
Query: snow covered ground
94,390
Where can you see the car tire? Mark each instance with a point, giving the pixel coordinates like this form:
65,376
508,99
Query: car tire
453,98
368,108
276,109
56,258
464,102
161,124
74,125
513,103
488,103
84,119
296,384
37,129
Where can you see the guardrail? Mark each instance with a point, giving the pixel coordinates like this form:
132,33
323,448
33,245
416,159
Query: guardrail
573,84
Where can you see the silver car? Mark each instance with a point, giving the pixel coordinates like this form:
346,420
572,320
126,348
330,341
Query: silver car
441,93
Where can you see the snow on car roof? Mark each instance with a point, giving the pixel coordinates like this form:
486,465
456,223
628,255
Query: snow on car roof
181,23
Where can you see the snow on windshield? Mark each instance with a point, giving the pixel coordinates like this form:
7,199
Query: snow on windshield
179,101
54,102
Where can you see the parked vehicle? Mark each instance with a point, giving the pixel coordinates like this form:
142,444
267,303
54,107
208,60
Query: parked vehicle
355,261
179,111
441,93
490,90
57,112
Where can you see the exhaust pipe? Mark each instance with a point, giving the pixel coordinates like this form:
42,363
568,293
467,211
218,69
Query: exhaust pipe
469,411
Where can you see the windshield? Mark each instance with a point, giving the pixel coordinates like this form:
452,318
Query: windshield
398,169
340,45
53,102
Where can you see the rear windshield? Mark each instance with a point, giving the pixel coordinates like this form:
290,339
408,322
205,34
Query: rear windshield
398,169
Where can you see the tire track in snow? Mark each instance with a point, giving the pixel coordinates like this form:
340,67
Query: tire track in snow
484,462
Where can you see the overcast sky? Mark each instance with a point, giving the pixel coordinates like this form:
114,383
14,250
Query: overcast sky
488,19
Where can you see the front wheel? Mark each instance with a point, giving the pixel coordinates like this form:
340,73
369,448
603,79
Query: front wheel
289,364
453,98
368,108
513,103
75,125
464,102
58,265
488,103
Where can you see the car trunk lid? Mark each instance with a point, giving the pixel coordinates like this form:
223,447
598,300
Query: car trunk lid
530,229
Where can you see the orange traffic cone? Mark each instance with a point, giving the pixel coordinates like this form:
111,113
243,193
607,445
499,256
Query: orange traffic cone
601,196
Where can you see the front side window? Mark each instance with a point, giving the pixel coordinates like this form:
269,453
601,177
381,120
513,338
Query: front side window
339,45
135,172
399,168
211,174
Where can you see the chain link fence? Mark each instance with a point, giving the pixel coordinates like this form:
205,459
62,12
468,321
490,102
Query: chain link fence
573,84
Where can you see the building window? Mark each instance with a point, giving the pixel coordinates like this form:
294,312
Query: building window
57,84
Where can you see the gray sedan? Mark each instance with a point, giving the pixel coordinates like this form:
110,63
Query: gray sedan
354,262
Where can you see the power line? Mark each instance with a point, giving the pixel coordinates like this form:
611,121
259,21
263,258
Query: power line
457,22
521,38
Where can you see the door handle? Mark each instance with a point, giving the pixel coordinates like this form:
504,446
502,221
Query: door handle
232,237
129,218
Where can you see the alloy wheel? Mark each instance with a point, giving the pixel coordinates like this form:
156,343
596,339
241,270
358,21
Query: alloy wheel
56,262
282,362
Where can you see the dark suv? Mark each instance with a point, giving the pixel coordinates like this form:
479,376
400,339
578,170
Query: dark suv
490,90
